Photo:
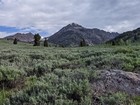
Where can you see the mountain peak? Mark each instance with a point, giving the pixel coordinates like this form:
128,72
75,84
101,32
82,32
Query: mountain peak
73,33
74,25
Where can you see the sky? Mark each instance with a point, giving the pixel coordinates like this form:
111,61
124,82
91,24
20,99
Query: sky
48,16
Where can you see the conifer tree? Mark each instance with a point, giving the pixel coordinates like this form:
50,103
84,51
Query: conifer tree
46,43
113,43
135,37
37,38
15,41
83,43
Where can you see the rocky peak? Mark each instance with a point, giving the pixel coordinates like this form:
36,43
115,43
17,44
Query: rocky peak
73,26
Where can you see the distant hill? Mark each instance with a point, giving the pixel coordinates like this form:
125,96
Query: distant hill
73,33
129,36
28,37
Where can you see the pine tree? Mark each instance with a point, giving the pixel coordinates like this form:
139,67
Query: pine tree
83,43
135,37
113,43
37,38
15,41
46,43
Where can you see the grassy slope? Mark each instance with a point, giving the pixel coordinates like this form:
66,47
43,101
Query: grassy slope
56,75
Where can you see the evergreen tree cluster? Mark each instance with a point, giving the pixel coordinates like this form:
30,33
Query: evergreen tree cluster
121,42
37,41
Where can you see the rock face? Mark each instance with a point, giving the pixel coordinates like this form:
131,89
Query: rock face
73,33
112,81
28,37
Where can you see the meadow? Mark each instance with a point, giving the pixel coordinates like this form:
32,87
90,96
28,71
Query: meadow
40,75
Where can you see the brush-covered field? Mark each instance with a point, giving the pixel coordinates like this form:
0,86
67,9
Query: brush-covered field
62,76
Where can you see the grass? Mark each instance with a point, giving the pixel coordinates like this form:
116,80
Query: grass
60,76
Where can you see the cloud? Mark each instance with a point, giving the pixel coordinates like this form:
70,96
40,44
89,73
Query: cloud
121,26
48,16
4,34
43,14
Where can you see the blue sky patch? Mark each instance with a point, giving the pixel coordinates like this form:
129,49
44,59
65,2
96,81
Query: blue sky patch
23,30
8,29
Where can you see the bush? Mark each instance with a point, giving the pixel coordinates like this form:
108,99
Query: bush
50,89
38,70
136,100
124,50
11,78
128,67
9,73
115,99
63,76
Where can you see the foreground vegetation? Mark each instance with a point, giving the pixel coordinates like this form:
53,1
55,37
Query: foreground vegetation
61,76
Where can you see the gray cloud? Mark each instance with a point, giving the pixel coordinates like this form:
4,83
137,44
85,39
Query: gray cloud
119,15
51,15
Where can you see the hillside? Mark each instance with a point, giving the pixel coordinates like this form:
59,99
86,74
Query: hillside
73,33
28,37
99,75
129,36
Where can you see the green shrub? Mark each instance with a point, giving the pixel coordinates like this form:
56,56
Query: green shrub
128,67
50,89
115,99
60,75
124,50
39,70
9,73
4,95
136,100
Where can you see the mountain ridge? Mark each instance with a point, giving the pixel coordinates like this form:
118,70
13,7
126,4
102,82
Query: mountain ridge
128,36
23,37
73,33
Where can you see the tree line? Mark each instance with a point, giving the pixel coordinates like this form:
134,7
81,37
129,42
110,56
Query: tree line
37,39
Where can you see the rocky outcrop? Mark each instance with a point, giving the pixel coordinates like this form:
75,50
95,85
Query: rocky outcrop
111,81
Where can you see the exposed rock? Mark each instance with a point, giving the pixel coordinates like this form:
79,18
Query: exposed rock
111,81
73,33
